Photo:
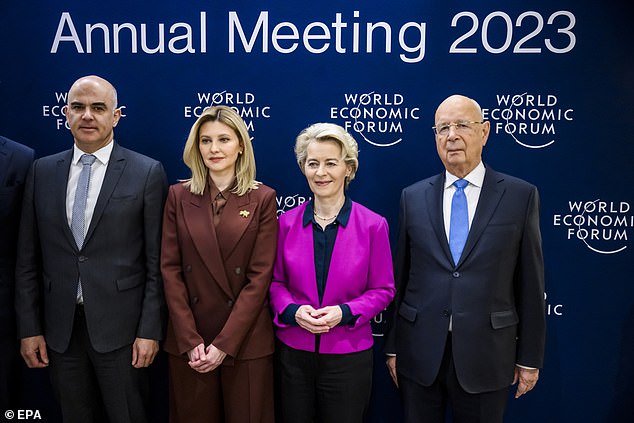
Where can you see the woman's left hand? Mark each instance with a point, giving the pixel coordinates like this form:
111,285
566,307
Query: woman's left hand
209,360
331,315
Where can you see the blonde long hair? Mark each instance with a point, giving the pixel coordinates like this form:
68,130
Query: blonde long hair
245,164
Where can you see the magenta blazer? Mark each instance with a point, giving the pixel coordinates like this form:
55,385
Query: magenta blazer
360,275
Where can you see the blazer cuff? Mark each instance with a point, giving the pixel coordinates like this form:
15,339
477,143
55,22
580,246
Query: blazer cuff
347,319
288,315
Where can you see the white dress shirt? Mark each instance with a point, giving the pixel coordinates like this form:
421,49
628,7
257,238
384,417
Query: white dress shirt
97,174
471,191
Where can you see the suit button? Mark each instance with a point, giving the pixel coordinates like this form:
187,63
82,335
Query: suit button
82,259
456,274
446,313
237,270
188,268
195,300
230,303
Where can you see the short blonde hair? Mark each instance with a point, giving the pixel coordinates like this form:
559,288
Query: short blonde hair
321,132
245,165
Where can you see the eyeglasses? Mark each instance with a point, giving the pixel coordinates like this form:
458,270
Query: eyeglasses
461,127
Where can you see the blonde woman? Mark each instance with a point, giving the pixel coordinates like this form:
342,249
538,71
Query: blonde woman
218,249
333,274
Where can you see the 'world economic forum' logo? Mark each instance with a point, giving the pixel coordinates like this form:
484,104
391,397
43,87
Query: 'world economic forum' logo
55,110
531,120
245,103
601,225
378,118
287,202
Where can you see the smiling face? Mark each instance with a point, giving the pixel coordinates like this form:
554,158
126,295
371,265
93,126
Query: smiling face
326,170
219,148
460,149
91,113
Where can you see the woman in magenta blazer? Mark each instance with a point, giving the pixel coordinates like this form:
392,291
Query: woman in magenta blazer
332,275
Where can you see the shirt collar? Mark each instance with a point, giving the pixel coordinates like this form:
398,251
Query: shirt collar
103,154
214,191
342,218
475,177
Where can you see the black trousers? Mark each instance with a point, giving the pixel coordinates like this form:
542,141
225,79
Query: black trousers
97,387
9,373
429,403
323,388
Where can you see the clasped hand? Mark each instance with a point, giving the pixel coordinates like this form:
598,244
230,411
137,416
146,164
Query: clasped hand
319,320
205,360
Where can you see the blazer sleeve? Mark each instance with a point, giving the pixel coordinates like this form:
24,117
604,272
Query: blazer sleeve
281,296
248,306
181,316
153,313
401,274
380,277
529,290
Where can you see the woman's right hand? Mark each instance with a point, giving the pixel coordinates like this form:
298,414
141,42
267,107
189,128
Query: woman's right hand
196,354
308,319
205,360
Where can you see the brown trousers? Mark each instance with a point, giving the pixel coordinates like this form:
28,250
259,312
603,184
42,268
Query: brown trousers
238,393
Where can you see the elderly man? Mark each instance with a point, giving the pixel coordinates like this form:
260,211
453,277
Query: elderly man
469,317
89,296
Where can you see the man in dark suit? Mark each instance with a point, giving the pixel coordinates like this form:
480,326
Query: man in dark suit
89,294
468,318
15,160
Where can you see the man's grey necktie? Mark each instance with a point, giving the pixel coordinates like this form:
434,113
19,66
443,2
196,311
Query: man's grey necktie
78,218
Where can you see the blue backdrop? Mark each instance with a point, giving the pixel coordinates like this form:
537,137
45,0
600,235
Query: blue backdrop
553,77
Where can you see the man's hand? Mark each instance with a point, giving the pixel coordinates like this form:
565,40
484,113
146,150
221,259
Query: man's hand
391,365
33,351
143,352
527,379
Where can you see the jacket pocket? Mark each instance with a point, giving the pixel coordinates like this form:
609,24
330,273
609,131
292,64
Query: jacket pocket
407,312
123,197
503,319
131,281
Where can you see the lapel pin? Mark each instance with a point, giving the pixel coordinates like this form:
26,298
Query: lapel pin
244,213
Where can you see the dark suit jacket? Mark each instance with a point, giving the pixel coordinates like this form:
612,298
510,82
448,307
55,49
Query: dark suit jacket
118,264
217,279
15,160
495,293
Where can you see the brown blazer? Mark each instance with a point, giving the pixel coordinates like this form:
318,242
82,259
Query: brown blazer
214,297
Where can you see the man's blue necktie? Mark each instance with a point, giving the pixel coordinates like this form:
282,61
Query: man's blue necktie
459,222
78,218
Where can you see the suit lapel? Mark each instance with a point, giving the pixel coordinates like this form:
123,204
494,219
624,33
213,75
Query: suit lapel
434,197
197,215
236,216
492,191
116,164
62,170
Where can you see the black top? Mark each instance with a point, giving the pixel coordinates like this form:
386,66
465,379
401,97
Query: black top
323,244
